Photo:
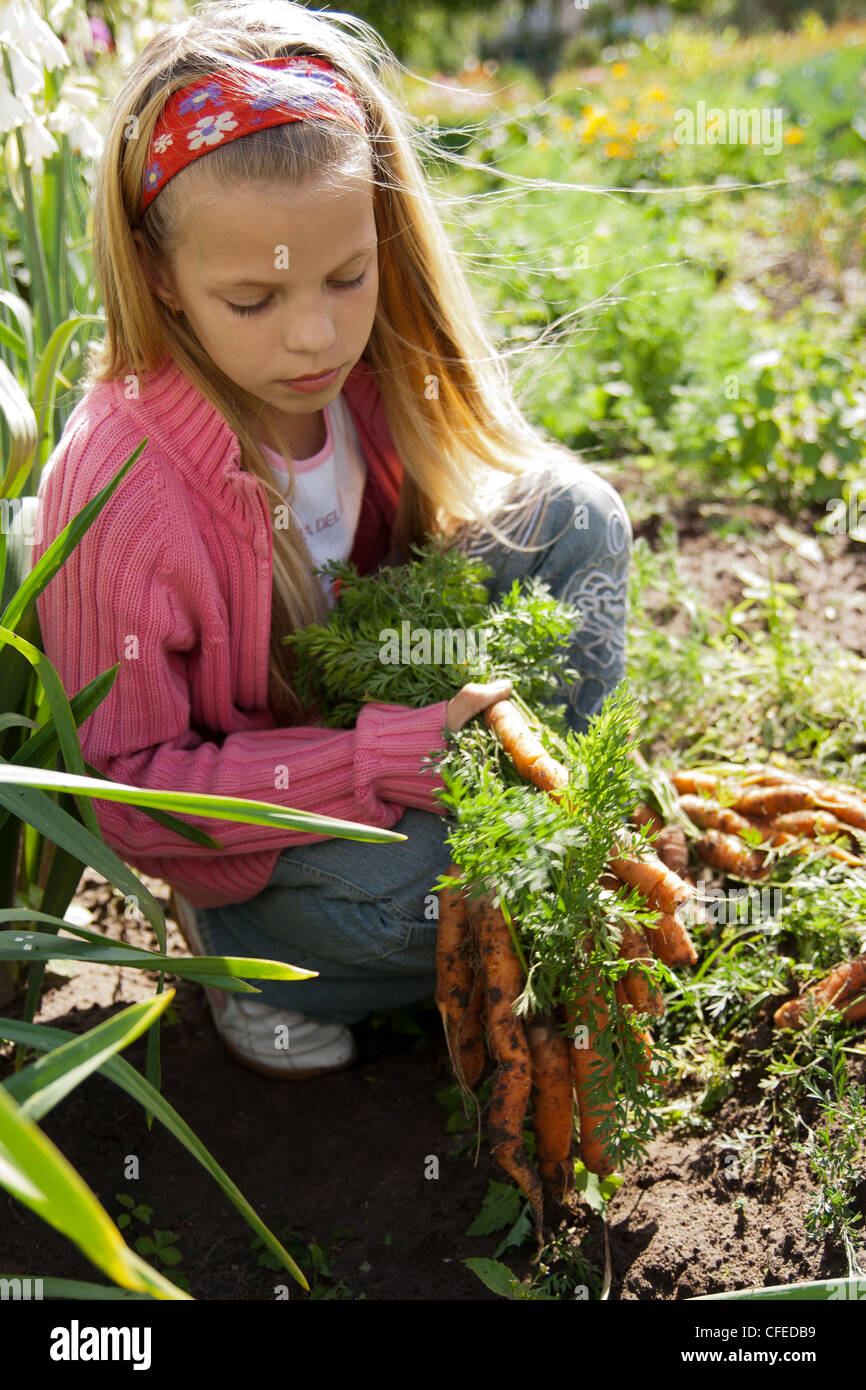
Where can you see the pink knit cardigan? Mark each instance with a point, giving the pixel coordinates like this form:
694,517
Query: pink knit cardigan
172,582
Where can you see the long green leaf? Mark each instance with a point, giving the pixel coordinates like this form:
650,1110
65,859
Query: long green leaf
226,972
35,808
128,1079
63,545
64,723
37,1174
810,1291
79,1288
48,1080
45,386
195,803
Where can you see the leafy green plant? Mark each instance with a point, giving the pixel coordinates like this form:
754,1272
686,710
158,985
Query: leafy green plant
160,1245
313,1260
834,1148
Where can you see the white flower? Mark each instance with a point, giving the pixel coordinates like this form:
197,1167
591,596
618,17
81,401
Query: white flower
67,119
210,130
12,113
39,143
22,27
27,77
161,143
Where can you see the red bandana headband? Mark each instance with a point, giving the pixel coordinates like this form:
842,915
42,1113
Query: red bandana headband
226,105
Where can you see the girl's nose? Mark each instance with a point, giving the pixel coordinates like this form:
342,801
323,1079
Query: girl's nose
308,333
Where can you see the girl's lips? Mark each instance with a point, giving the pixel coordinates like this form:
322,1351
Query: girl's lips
317,383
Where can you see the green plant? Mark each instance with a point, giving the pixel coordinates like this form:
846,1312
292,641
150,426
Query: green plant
160,1245
834,1148
313,1260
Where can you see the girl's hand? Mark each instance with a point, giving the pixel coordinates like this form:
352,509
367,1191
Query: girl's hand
472,699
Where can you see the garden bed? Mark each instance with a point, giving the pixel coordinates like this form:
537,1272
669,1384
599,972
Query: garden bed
341,1160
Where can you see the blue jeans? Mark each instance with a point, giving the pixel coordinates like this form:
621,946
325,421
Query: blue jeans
363,914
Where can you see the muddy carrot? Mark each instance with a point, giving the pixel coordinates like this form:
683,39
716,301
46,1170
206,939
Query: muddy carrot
552,1118
642,815
775,800
643,994
506,1036
470,1035
593,1074
772,832
671,942
524,747
672,848
815,823
725,852
840,989
845,807
662,888
454,968
710,815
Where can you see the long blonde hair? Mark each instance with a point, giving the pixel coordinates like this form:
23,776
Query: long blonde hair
452,441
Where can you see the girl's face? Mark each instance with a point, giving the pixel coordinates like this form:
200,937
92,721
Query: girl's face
277,283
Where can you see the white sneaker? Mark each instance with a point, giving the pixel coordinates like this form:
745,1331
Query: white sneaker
280,1043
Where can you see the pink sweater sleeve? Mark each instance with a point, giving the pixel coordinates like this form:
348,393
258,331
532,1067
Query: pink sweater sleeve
142,734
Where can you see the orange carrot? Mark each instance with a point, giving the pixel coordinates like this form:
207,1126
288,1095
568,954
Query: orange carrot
470,1035
840,988
695,781
845,807
662,888
552,1117
775,800
642,815
671,942
593,1074
725,852
672,848
643,994
506,1036
454,971
524,747
710,815
815,823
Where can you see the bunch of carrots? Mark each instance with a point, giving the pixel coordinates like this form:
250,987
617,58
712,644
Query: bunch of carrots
479,977
552,1062
801,815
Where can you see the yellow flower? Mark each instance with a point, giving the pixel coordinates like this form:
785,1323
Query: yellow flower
621,103
616,150
794,136
588,112
600,124
542,145
564,122
654,94
619,70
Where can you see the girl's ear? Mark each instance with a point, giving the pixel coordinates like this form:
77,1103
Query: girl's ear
152,271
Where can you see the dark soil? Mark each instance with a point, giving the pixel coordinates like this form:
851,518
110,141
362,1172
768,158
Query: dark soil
341,1160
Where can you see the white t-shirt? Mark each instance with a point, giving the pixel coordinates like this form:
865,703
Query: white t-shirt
328,489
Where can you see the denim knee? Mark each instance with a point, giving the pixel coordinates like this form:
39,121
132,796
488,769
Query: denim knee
587,567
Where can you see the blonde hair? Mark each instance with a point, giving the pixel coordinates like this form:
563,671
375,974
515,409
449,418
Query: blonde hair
453,445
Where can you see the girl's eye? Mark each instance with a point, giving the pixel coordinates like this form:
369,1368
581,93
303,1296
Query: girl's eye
255,308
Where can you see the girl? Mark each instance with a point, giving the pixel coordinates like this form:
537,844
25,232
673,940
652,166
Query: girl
262,221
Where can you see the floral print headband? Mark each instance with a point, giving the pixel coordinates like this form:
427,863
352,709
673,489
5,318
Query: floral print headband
226,105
